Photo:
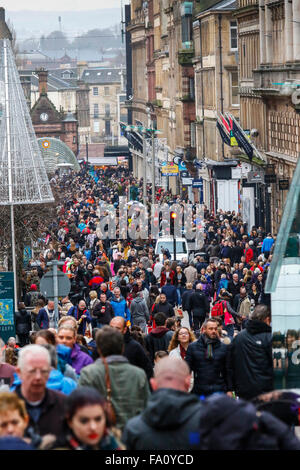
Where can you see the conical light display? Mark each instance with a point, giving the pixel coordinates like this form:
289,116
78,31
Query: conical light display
23,177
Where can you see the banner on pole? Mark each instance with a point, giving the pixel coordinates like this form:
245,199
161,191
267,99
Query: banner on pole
7,323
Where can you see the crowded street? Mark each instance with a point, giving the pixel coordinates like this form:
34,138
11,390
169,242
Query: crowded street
149,229
139,333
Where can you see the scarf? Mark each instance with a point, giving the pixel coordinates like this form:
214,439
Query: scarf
209,342
182,352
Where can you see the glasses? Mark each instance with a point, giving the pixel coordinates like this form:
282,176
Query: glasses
183,334
43,372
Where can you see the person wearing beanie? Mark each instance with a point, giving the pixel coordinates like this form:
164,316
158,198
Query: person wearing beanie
32,297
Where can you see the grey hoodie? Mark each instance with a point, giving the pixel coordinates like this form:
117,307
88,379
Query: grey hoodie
139,309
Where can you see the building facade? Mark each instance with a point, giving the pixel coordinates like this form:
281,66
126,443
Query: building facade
105,84
216,91
65,91
269,73
163,77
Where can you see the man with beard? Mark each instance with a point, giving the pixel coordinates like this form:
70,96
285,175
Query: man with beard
209,359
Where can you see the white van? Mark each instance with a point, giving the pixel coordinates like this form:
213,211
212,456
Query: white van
182,250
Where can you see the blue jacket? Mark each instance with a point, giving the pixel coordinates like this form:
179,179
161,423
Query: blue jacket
56,381
267,244
120,308
43,319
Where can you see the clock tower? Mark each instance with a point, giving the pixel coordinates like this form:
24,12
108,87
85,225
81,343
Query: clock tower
48,121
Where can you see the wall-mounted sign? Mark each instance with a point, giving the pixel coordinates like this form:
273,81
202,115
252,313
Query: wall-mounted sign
284,184
198,183
255,177
169,169
187,181
236,173
270,179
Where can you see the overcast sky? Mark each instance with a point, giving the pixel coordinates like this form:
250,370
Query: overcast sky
60,5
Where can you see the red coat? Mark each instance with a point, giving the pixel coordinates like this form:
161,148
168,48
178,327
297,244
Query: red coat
163,278
249,255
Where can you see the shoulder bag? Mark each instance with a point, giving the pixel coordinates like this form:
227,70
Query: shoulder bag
109,406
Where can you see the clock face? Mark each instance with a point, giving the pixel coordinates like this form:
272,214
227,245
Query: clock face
44,117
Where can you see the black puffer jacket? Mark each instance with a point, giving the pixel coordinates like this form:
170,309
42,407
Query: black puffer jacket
210,375
22,322
198,303
251,356
171,421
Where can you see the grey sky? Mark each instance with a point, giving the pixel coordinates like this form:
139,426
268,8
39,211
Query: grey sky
60,5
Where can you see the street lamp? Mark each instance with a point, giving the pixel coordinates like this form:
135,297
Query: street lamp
173,216
87,148
150,109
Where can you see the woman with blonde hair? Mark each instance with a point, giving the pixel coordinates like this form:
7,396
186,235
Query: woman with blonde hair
180,341
92,305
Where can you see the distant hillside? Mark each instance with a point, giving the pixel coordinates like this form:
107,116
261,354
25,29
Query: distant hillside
29,24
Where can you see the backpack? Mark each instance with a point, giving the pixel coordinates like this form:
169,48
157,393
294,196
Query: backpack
220,309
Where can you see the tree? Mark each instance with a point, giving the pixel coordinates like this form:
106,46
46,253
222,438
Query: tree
30,222
54,41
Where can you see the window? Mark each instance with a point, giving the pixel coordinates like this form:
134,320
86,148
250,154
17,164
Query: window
74,139
192,88
186,24
233,36
107,128
234,88
96,126
107,109
106,90
96,110
95,91
193,134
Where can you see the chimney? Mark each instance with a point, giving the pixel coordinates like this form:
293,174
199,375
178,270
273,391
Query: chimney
43,85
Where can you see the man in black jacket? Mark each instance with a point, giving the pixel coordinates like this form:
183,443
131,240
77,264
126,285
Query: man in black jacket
251,356
209,359
103,312
159,338
23,324
234,287
163,306
199,306
185,300
133,350
172,417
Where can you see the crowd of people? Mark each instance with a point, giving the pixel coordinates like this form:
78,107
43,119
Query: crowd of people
145,351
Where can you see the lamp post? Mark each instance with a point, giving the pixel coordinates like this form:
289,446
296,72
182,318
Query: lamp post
150,109
173,217
87,148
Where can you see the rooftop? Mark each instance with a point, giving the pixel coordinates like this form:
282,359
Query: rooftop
101,75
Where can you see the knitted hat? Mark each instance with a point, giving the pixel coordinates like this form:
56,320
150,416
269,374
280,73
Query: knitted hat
33,287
